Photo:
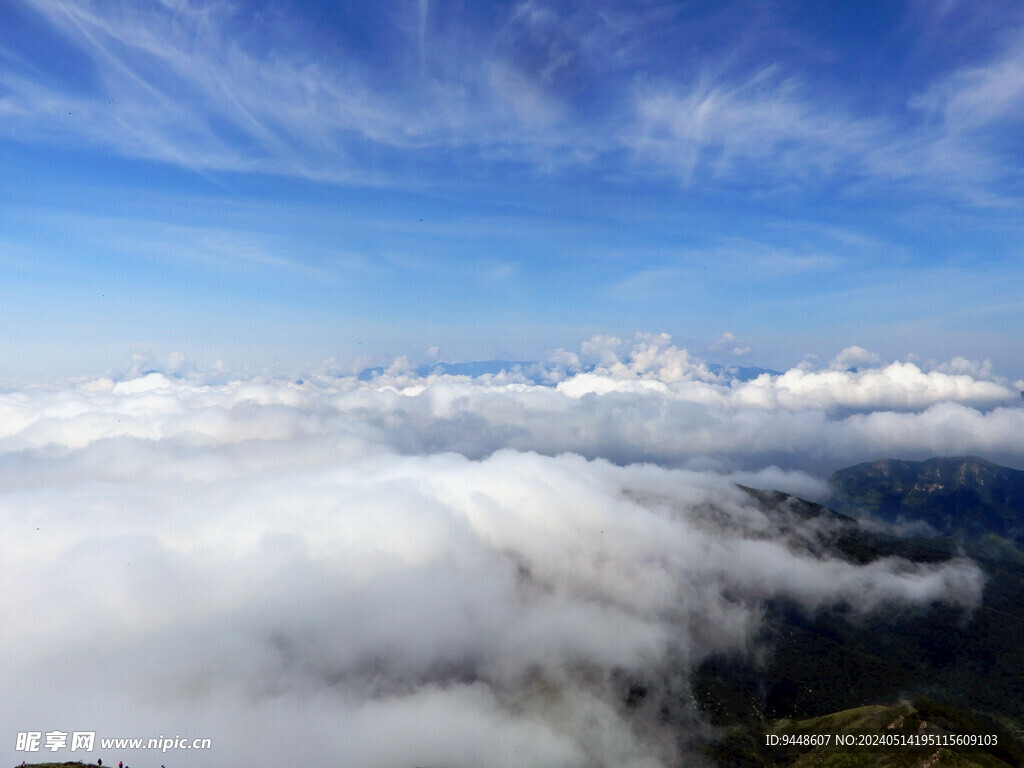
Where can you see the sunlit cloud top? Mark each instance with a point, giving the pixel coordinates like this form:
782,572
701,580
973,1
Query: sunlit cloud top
413,568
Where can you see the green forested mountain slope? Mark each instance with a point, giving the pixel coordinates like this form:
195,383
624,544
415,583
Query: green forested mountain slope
955,495
968,665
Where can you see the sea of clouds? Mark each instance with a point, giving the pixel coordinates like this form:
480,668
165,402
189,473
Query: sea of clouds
436,570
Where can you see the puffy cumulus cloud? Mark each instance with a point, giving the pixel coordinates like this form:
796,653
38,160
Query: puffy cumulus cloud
647,399
649,357
433,571
852,358
896,386
728,344
644,399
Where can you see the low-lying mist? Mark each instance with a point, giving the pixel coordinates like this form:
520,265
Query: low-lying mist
436,570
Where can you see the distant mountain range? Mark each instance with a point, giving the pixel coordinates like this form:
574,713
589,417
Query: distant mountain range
740,372
531,369
473,369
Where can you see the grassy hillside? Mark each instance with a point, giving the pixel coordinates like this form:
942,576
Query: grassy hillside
745,747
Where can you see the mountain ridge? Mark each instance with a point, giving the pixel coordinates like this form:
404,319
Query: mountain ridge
969,665
955,495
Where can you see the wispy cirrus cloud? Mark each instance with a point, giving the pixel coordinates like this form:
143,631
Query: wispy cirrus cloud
979,99
200,86
767,131
182,84
734,261
218,87
710,129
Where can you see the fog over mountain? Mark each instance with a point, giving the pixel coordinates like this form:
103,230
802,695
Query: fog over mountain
469,538
439,570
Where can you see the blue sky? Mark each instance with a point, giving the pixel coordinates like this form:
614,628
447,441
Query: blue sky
286,182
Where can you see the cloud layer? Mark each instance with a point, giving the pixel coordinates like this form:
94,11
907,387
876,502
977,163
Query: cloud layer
436,570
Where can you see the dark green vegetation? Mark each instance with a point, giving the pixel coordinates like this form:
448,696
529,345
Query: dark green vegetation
963,670
956,496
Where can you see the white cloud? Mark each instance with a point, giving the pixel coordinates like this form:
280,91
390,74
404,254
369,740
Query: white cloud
728,344
767,127
762,124
202,86
417,567
980,96
179,85
852,358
